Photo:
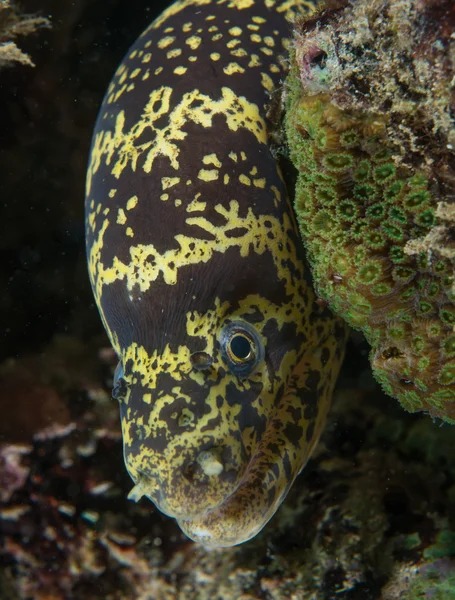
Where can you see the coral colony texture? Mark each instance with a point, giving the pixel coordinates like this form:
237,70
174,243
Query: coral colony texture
370,107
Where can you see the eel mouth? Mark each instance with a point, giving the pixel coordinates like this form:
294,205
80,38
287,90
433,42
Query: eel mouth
241,516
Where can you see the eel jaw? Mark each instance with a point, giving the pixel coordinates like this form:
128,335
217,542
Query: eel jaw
238,519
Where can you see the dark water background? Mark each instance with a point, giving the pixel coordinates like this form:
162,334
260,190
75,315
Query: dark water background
47,115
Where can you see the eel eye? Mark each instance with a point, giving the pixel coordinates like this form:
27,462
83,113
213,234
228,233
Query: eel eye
241,348
119,387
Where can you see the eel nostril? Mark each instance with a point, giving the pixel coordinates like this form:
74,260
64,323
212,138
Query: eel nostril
210,461
201,361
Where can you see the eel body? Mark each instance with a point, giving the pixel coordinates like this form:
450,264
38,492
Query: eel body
226,362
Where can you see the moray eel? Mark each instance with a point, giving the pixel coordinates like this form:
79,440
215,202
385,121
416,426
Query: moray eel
226,361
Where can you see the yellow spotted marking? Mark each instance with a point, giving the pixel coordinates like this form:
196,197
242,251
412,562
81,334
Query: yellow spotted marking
165,42
195,205
180,70
132,203
174,53
208,174
239,52
267,82
259,183
168,182
255,61
121,217
167,136
233,68
193,42
233,43
211,159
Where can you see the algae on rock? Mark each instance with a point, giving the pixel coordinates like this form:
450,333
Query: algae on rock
12,25
370,122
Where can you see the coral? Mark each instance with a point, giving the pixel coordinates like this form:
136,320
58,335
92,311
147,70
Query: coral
370,105
12,25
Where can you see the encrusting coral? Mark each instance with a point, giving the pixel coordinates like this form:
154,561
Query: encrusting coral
370,108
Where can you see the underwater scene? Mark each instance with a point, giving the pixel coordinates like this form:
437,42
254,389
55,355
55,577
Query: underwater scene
227,362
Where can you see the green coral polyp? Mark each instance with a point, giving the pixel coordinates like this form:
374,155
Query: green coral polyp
323,223
424,308
338,163
409,293
341,263
410,401
376,211
392,231
326,195
433,290
349,138
369,273
347,210
397,254
384,173
426,219
418,344
393,190
423,363
449,346
418,180
381,289
362,171
447,376
403,274
375,240
365,192
397,214
417,200
358,230
447,315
